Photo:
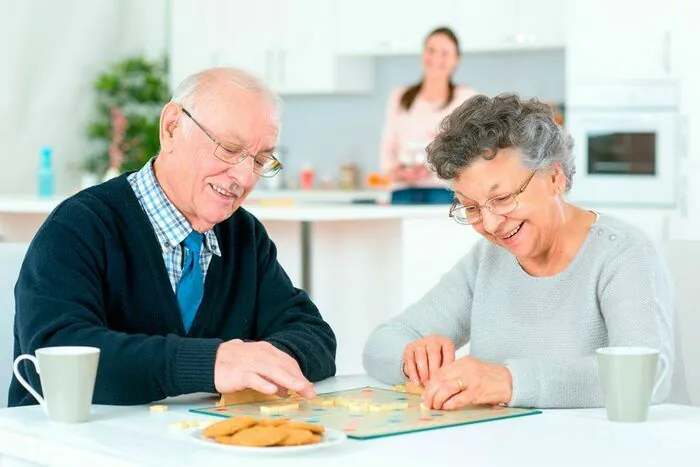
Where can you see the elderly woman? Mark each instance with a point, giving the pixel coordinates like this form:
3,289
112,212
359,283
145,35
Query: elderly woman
548,284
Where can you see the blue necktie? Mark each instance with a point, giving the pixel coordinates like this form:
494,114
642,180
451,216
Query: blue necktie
191,287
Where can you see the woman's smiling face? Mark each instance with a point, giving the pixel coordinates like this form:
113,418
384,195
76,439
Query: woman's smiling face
528,230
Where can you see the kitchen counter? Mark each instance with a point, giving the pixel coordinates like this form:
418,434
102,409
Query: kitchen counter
349,212
322,196
272,198
267,210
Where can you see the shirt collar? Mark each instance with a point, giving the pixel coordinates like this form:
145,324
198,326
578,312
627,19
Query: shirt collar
170,225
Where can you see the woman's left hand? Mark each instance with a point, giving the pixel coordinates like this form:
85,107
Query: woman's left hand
468,381
421,172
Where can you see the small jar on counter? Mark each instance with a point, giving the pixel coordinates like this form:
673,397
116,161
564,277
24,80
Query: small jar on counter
349,176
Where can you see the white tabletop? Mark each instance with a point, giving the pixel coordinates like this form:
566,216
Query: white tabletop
128,436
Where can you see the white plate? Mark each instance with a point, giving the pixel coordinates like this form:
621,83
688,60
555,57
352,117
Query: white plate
331,437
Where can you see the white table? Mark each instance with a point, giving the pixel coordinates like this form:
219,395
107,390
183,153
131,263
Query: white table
129,436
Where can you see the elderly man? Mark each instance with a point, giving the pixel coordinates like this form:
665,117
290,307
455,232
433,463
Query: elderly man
179,288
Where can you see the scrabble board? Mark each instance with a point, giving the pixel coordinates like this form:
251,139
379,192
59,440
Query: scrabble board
369,412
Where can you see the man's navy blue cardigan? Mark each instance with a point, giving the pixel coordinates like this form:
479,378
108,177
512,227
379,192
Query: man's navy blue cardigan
94,275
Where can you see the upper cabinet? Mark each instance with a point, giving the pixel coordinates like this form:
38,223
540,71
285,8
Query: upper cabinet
328,46
509,24
305,59
387,27
191,41
619,41
392,27
290,50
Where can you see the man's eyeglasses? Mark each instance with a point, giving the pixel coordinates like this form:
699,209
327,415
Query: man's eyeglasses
499,205
266,164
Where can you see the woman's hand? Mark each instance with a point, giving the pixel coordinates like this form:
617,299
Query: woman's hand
468,381
411,174
424,357
402,174
421,172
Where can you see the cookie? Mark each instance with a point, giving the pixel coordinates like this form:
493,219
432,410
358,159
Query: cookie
313,428
298,437
258,436
228,427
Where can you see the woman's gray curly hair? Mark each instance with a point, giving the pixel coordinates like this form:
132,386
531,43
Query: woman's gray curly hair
482,125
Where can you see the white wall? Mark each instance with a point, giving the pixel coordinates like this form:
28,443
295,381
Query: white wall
51,53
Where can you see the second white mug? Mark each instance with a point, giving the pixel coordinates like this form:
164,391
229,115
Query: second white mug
67,376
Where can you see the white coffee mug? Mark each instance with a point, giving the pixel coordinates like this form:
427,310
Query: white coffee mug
631,378
67,376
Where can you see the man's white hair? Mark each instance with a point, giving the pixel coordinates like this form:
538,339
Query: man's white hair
199,87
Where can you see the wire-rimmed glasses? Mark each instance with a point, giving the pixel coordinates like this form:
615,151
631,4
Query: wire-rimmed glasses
500,205
266,164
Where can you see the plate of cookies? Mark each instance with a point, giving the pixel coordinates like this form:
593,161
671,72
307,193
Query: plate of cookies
264,435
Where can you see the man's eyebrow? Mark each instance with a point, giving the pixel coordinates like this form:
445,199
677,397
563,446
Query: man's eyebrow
234,138
268,149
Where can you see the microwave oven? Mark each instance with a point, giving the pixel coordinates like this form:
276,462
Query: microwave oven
626,145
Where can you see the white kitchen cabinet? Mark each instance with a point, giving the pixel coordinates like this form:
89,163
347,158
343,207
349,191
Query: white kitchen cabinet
484,28
539,24
387,27
392,27
510,24
246,37
191,41
621,40
305,59
211,33
290,50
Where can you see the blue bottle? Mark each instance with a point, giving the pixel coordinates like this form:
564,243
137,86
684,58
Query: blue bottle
46,174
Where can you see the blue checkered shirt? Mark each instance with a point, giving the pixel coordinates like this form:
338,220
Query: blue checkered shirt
170,225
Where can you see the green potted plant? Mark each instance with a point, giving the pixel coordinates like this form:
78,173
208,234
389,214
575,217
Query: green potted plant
129,97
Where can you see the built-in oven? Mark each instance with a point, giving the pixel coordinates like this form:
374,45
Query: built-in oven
625,144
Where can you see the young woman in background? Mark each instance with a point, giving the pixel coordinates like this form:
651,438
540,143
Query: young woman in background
412,118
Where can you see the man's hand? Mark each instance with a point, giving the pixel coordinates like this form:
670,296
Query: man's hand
468,381
423,358
260,366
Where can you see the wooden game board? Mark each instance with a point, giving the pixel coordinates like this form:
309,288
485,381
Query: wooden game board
367,413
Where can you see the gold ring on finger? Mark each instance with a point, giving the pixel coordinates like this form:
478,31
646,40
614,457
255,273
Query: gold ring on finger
461,384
